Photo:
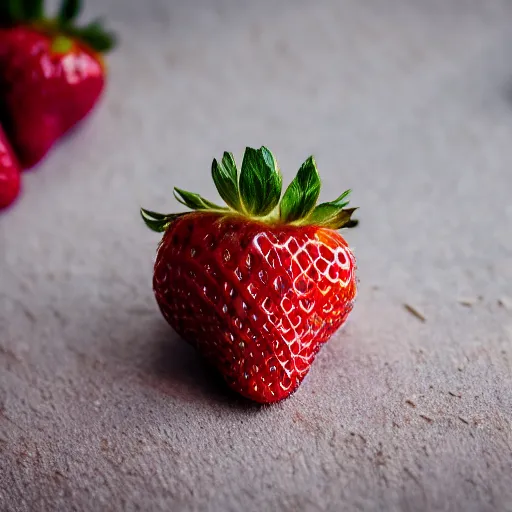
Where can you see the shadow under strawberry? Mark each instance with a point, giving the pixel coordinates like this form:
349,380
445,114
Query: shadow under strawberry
180,363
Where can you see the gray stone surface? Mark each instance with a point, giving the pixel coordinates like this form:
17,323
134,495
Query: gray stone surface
408,103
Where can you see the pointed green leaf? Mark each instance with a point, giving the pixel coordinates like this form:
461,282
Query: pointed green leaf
157,221
260,182
69,10
326,213
95,36
302,194
195,201
340,200
225,176
155,215
330,216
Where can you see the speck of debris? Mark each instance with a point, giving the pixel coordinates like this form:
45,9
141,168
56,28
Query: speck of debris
411,403
463,420
415,312
467,301
426,418
505,302
454,394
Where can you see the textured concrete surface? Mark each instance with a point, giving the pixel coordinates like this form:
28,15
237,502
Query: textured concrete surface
410,104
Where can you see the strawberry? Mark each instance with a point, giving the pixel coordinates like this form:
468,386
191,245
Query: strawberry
260,285
9,173
51,73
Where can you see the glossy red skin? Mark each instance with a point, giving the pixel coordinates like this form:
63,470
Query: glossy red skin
44,93
10,180
257,301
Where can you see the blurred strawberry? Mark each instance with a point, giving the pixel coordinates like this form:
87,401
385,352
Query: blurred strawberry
9,173
51,73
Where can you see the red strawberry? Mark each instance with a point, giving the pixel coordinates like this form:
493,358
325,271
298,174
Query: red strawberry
259,286
51,74
9,173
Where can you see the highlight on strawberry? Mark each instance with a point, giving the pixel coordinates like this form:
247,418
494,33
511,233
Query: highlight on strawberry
259,285
52,73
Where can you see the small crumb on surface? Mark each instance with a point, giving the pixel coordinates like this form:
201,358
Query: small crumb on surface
505,302
415,312
411,403
468,302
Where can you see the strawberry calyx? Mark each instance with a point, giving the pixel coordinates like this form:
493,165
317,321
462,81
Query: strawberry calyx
62,27
255,191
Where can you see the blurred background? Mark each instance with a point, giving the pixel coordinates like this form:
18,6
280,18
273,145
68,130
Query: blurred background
408,103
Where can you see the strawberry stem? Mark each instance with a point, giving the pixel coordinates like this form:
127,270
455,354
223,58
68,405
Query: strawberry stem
62,44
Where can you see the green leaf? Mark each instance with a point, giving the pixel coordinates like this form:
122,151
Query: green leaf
330,209
225,176
33,9
157,221
340,200
260,182
69,10
330,216
195,201
302,194
95,36
333,214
